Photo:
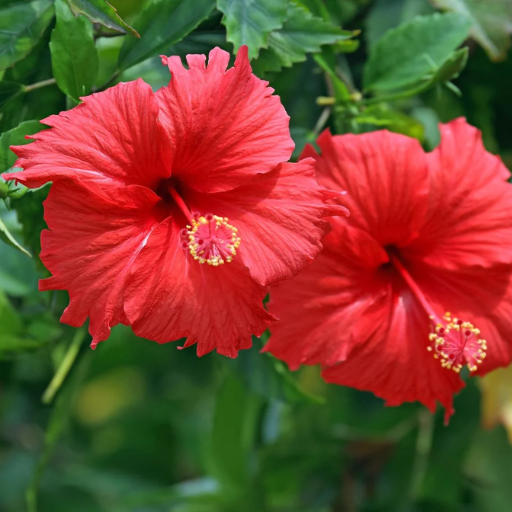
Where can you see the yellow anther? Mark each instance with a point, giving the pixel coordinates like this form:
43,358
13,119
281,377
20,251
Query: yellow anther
211,239
456,343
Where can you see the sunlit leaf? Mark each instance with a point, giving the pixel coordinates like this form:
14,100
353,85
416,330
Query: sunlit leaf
250,22
100,11
162,24
408,53
302,33
385,15
74,56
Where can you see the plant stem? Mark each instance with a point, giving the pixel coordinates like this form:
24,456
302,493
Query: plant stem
65,366
322,120
38,85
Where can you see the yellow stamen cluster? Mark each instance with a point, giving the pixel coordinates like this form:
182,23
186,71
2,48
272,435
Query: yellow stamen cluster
457,344
212,240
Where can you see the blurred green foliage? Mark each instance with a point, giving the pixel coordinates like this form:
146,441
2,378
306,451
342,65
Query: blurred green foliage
141,427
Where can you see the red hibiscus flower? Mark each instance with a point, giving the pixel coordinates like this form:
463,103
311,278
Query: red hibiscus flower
173,211
416,284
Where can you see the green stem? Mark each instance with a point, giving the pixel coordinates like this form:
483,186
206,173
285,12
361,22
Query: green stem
65,366
39,85
322,121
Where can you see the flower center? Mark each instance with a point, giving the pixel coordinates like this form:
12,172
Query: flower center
210,239
457,344
454,341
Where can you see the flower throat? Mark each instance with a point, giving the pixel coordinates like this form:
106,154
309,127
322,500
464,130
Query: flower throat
454,342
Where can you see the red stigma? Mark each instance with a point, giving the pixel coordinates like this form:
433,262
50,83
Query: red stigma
210,239
457,344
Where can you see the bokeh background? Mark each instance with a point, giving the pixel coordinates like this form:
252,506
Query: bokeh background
139,427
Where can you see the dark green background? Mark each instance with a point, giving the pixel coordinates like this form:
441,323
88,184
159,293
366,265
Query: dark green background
146,428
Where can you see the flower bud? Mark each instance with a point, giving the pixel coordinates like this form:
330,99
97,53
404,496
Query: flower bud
18,192
4,189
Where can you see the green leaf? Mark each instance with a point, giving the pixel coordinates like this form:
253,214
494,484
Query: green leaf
156,75
250,22
393,120
451,67
444,482
21,27
57,423
315,7
201,42
100,11
301,33
10,322
327,61
388,14
9,91
491,22
489,465
30,213
74,56
16,137
162,24
10,343
233,434
408,53
269,377
430,121
6,236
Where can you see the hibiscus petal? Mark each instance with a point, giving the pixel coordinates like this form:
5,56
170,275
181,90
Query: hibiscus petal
470,204
112,137
92,243
325,310
170,296
225,126
385,176
279,219
351,312
395,364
